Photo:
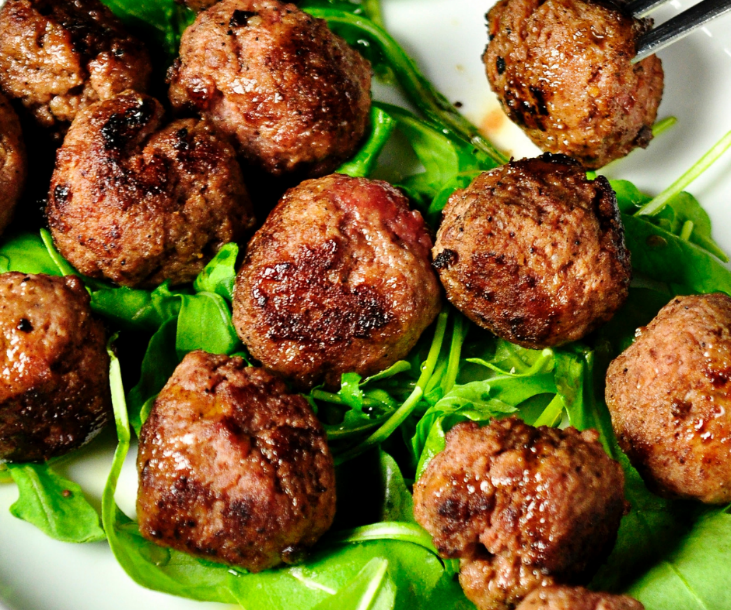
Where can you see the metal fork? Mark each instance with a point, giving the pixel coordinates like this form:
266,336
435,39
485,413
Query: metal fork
676,28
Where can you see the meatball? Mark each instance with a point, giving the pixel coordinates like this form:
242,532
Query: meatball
197,5
233,467
59,56
669,396
12,162
338,279
577,598
521,507
54,368
561,70
294,97
138,203
534,252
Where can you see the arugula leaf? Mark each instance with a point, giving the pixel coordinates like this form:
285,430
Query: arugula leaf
219,275
26,252
371,589
205,323
398,504
54,504
381,128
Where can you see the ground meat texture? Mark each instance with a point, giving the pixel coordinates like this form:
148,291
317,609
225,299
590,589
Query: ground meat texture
577,598
337,280
139,203
233,467
54,368
534,252
561,70
197,5
59,56
521,507
294,97
12,162
670,399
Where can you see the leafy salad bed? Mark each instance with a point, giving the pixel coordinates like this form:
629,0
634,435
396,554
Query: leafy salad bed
383,430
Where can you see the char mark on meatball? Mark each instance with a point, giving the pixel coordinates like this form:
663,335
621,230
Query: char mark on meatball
338,279
294,97
233,467
521,507
562,71
59,56
138,202
670,399
54,380
534,252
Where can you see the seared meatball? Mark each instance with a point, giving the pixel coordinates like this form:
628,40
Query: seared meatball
54,368
12,162
577,598
337,280
138,203
670,399
232,467
294,97
521,507
198,5
59,56
561,70
534,252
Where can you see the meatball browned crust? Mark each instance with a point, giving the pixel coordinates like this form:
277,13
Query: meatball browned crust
12,162
534,252
669,395
561,70
232,467
294,96
337,280
54,368
577,598
139,203
59,56
521,507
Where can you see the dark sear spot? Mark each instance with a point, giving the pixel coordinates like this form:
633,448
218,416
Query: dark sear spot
24,325
61,194
446,258
500,65
122,127
241,18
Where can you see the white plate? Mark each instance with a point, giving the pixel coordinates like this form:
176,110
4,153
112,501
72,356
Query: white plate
447,38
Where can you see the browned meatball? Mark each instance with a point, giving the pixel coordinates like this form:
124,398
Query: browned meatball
670,399
534,252
138,203
59,56
232,467
12,162
521,507
337,280
197,5
294,96
577,598
561,70
54,368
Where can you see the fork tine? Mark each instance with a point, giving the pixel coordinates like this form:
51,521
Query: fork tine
679,27
641,8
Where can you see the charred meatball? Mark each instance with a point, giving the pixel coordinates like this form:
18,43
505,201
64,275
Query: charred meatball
54,368
577,598
669,395
59,56
521,507
232,467
534,252
561,70
138,203
337,280
12,162
294,97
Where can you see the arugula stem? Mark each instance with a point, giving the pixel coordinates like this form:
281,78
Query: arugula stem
551,413
459,332
362,164
687,230
386,530
335,399
418,89
400,415
658,203
663,125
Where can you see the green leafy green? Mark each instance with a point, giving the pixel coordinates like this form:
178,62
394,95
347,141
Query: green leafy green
26,252
54,504
219,275
362,164
205,323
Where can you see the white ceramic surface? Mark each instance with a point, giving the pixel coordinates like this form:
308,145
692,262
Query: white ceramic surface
447,38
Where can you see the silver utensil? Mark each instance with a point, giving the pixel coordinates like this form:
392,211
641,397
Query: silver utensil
676,28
